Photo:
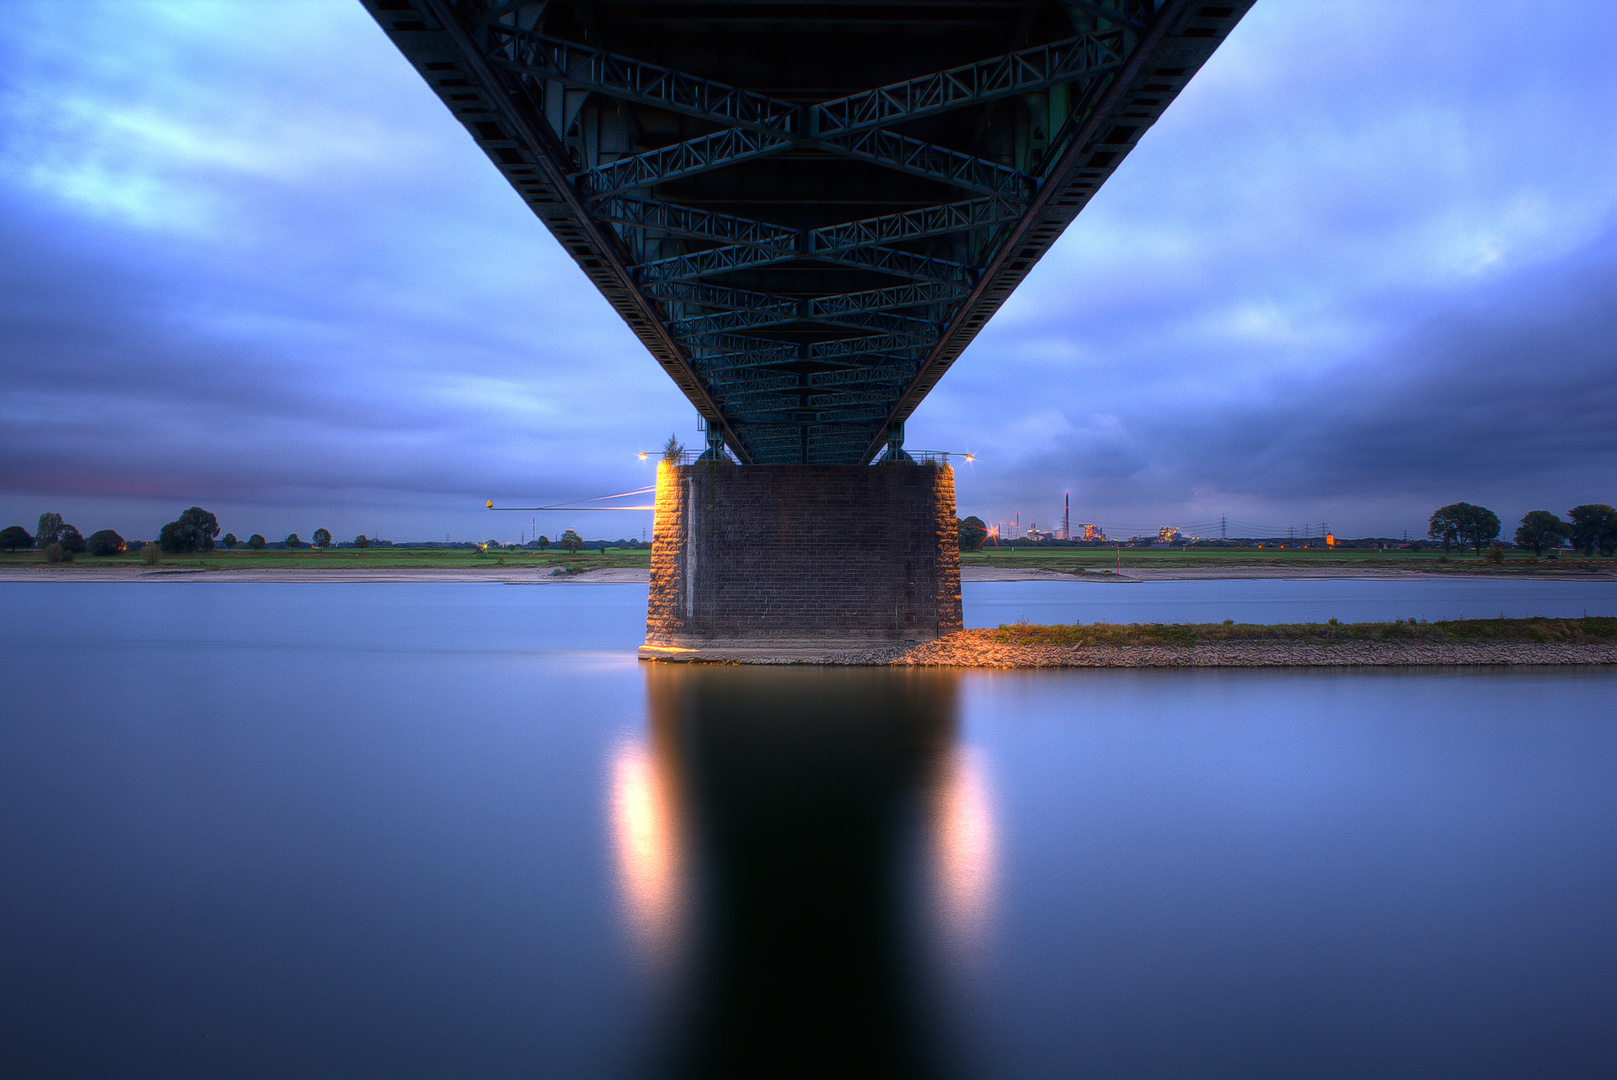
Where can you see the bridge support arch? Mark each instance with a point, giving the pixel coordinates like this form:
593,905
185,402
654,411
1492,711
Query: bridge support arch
773,559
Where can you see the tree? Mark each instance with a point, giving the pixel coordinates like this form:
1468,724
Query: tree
1541,529
362,541
322,538
972,533
1594,527
194,530
256,541
48,531
72,540
1444,525
1463,524
229,541
294,541
544,542
1481,527
106,542
672,451
13,537
571,541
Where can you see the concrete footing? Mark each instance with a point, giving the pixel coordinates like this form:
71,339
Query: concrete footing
800,559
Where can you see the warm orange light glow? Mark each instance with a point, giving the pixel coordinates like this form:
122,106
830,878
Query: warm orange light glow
643,455
1330,541
963,838
646,833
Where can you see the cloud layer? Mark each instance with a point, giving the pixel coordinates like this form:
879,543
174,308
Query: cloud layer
1366,264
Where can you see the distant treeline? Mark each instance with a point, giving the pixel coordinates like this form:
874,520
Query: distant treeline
197,530
1591,527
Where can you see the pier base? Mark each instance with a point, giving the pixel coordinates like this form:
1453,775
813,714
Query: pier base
785,558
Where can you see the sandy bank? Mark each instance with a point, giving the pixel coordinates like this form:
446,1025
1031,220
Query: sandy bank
1259,573
494,575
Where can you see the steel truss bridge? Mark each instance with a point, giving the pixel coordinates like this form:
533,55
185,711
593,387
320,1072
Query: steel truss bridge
806,209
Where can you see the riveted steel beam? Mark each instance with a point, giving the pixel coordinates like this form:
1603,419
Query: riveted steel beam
689,158
904,154
710,345
524,52
699,264
904,264
731,321
1005,76
675,220
895,297
873,344
702,294
942,220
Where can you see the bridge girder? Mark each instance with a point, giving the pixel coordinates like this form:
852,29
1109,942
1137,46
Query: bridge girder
806,211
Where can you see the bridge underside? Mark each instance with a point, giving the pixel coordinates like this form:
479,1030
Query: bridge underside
806,210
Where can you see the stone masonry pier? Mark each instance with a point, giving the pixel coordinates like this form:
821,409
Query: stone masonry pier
764,560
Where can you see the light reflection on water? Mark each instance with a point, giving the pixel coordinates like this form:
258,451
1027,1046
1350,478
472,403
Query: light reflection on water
430,830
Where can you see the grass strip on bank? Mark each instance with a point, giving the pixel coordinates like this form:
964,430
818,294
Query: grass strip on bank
374,559
1593,630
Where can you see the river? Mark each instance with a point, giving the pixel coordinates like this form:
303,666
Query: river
457,830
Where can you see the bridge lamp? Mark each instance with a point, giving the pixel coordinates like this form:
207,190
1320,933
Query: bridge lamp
489,504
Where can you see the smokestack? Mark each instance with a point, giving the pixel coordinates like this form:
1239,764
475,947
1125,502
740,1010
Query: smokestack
1066,516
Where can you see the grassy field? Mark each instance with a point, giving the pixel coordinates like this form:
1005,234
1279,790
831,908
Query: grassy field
1456,632
1073,560
352,559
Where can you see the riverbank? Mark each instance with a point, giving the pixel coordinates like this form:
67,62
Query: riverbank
489,573
1468,642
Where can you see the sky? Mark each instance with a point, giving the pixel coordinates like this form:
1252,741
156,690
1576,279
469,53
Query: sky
1365,265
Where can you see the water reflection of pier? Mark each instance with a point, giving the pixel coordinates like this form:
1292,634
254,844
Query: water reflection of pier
801,853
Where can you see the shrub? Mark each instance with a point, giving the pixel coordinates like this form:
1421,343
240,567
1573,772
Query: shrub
54,552
151,554
105,542
1496,554
13,537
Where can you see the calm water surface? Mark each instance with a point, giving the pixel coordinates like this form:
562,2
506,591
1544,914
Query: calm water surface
457,831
